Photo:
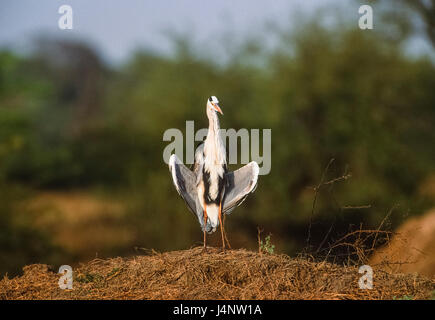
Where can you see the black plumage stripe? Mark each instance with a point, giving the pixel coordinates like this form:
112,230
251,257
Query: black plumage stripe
221,185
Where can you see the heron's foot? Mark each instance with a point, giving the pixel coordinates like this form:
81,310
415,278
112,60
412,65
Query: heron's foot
204,250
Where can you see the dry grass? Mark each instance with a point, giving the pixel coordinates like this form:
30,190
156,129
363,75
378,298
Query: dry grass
191,274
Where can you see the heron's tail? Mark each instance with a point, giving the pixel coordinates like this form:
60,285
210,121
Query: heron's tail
208,228
212,219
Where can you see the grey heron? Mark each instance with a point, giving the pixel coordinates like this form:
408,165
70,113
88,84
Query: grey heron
210,190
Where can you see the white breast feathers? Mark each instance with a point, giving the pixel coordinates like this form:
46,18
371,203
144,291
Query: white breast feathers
214,163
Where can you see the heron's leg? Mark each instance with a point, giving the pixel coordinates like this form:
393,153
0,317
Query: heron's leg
225,234
222,227
205,223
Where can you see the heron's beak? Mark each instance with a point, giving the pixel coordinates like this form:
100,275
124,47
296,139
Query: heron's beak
217,108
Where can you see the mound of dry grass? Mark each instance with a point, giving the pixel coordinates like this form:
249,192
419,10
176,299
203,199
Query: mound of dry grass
191,274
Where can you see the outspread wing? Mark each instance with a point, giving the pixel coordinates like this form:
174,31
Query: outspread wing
239,184
184,181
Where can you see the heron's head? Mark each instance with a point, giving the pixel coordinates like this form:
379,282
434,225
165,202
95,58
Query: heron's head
213,105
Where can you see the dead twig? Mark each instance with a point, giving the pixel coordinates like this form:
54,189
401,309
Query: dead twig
316,189
259,231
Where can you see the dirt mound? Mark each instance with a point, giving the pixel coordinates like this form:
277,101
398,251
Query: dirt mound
63,215
412,249
191,274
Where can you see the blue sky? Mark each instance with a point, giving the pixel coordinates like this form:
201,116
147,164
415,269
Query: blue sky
116,27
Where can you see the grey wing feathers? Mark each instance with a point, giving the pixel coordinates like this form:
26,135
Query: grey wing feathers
184,181
239,184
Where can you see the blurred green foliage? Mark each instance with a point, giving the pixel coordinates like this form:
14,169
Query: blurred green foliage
20,243
69,121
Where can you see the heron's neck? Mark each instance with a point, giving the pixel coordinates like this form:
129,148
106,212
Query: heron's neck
214,147
213,124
